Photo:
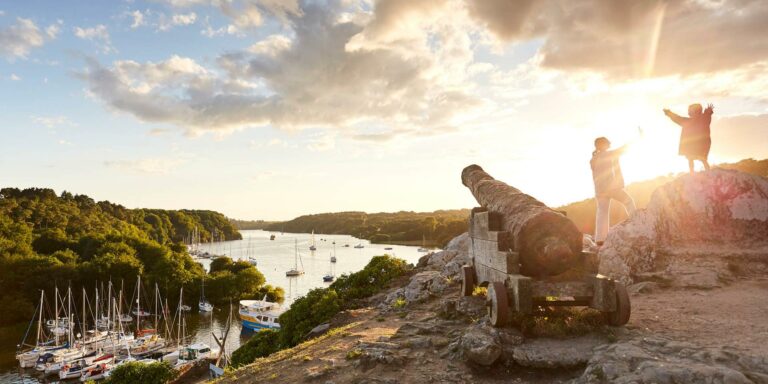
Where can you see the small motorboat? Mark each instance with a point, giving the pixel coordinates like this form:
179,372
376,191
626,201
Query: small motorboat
329,278
142,313
96,372
388,248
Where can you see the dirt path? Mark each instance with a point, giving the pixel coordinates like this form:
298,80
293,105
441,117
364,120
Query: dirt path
735,315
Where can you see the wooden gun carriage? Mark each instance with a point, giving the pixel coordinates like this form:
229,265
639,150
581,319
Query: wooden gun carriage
528,255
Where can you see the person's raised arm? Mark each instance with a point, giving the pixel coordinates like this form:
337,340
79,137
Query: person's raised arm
679,120
710,109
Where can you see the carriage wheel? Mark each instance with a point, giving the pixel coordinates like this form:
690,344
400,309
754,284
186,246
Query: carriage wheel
620,316
497,302
468,280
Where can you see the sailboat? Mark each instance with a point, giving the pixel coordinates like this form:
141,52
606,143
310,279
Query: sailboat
423,247
204,305
360,244
333,257
329,277
295,270
313,247
28,358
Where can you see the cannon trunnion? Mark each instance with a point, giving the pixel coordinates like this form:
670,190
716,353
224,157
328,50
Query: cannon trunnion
495,264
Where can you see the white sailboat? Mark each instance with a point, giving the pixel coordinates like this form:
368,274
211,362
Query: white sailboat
423,247
329,277
204,305
313,247
27,358
295,271
333,257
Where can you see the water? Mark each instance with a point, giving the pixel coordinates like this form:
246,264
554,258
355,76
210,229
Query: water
274,258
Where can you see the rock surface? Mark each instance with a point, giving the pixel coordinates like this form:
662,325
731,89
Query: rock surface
662,361
692,227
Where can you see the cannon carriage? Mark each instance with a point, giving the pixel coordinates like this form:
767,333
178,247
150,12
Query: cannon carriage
528,255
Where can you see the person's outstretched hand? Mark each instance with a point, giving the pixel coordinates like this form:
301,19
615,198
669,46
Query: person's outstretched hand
666,111
710,107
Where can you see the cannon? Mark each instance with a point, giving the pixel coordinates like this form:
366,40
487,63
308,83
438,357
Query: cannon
529,255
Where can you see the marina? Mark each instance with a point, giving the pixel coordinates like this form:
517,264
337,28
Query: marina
275,253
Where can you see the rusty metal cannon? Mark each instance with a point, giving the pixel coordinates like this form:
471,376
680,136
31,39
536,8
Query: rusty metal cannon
529,255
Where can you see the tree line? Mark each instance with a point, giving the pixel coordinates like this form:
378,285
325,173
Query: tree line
49,240
403,227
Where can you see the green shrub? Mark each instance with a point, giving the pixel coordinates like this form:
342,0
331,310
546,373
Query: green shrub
263,343
135,372
379,272
319,305
316,307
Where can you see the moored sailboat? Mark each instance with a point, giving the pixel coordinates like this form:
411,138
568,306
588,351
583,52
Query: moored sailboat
295,271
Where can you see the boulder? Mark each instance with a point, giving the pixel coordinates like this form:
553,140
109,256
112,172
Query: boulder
705,216
317,331
459,243
423,285
480,346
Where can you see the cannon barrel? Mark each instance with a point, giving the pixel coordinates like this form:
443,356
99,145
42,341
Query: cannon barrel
547,242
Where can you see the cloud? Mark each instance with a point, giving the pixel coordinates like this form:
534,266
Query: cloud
152,166
315,81
184,19
53,121
138,19
16,41
14,77
630,39
98,34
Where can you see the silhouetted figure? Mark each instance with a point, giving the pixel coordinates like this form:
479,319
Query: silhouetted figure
609,184
694,137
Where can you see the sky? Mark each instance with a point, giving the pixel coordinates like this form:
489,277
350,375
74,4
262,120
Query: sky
270,109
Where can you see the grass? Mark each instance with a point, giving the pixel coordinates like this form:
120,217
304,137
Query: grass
354,354
559,322
262,363
399,303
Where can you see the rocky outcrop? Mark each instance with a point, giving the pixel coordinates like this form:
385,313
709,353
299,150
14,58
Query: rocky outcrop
692,230
440,270
661,361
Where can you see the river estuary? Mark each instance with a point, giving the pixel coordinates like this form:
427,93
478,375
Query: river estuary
274,258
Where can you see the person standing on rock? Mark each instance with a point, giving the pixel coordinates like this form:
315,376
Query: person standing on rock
695,140
609,184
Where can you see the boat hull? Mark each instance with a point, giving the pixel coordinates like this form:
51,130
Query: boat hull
256,326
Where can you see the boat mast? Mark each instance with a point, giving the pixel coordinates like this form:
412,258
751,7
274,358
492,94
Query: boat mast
56,313
109,303
120,305
138,303
40,319
82,322
157,293
98,307
178,332
69,313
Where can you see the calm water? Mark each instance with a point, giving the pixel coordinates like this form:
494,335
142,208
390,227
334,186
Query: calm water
274,258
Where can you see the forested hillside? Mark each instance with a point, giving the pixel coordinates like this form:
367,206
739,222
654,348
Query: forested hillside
251,224
583,212
437,227
48,239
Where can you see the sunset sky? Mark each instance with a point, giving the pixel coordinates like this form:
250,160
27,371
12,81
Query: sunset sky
269,109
